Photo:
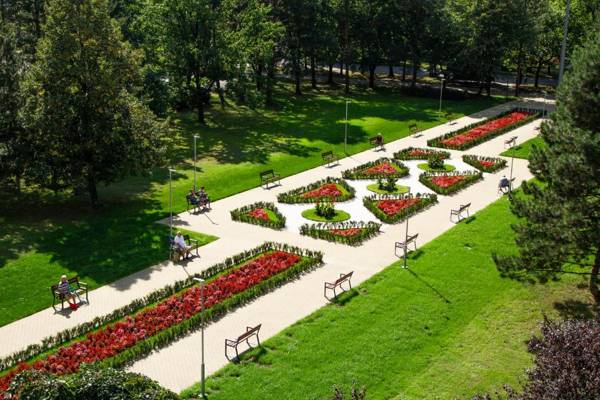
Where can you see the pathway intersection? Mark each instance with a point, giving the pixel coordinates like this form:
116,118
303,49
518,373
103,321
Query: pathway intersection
177,366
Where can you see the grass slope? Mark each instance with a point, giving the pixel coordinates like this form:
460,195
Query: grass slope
446,328
42,237
524,149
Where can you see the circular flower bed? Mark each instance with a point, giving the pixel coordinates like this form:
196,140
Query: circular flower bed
445,168
337,216
399,189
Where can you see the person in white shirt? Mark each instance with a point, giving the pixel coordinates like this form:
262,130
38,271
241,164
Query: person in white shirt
182,245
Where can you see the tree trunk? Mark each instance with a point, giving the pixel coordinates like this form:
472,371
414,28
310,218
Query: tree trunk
538,70
221,94
347,89
518,81
92,190
259,78
313,72
391,71
270,83
297,73
330,75
415,69
372,76
594,278
404,71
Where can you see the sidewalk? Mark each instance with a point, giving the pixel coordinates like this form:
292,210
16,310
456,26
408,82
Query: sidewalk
291,302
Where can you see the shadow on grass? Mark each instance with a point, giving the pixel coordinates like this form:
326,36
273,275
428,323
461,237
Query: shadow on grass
574,309
427,284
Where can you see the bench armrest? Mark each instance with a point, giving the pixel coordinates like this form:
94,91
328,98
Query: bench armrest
229,342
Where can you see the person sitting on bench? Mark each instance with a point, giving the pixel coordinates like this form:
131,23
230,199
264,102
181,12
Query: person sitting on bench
379,140
504,185
182,246
203,199
65,290
192,198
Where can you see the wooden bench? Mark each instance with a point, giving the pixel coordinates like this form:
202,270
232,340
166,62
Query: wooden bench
268,177
74,283
338,284
177,253
412,129
245,337
510,142
329,158
377,143
459,211
404,245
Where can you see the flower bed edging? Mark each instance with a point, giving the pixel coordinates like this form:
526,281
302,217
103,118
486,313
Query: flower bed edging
297,195
485,164
308,260
242,215
326,231
422,201
360,172
415,153
467,179
437,142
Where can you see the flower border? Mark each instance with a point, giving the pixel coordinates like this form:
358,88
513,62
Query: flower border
404,154
295,196
357,173
323,231
473,160
427,200
437,141
241,215
470,178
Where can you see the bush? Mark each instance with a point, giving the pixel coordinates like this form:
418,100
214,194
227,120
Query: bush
435,161
325,209
388,185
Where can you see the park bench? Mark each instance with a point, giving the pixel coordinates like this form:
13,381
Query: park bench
268,177
459,211
244,337
510,142
194,206
79,289
404,245
413,129
338,284
177,253
329,158
377,143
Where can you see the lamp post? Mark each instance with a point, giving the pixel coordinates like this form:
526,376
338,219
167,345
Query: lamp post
441,76
512,161
406,238
202,376
346,129
171,170
563,47
195,137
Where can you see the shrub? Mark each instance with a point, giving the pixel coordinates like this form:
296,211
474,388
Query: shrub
434,161
325,209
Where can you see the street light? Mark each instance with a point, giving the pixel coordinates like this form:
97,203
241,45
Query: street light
195,137
406,237
202,376
441,76
512,161
346,129
171,210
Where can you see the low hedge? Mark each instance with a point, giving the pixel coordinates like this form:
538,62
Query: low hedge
405,154
475,161
241,215
323,231
295,196
370,202
437,142
311,259
470,178
359,172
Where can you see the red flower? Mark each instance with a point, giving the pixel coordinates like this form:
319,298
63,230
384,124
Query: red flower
346,232
393,207
418,153
445,181
382,168
486,163
259,213
330,190
485,129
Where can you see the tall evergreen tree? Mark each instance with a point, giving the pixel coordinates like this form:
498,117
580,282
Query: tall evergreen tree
80,107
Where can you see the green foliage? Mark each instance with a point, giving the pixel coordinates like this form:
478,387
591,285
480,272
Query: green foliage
523,150
561,222
389,185
325,212
325,209
434,161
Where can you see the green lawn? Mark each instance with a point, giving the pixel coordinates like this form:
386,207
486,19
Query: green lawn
44,236
524,149
446,328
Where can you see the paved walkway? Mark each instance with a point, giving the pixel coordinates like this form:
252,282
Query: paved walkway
293,301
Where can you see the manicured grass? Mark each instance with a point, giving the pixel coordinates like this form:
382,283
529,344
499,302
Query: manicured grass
524,149
44,236
272,216
400,189
446,328
339,216
446,168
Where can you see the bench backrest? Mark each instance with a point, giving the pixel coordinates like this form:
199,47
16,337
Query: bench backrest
411,238
327,154
267,173
465,206
343,278
248,333
74,280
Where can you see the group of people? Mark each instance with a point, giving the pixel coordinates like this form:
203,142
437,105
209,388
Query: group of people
199,199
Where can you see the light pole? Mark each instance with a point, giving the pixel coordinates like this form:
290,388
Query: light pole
563,47
195,137
406,237
171,170
346,129
441,76
512,161
202,376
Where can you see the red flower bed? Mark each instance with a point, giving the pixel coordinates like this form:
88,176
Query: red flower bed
445,181
346,232
486,163
418,153
259,213
118,336
485,129
330,190
383,168
393,207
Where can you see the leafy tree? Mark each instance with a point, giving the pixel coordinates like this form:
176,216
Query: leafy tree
562,215
81,111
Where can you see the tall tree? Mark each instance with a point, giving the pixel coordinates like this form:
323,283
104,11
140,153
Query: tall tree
562,217
83,116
